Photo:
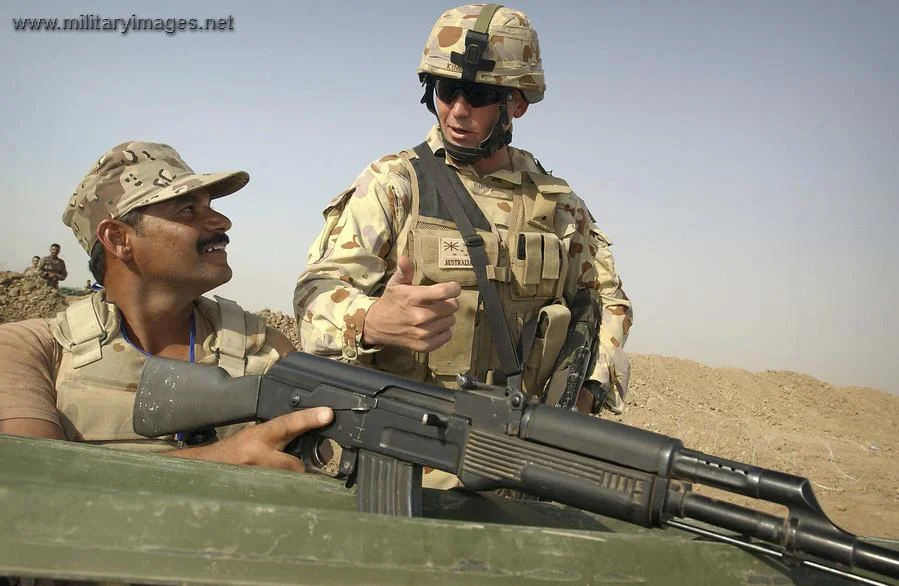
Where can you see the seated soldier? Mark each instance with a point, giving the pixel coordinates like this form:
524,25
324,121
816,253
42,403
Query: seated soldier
156,245
34,270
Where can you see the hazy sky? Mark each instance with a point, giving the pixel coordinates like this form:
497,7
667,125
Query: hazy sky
742,155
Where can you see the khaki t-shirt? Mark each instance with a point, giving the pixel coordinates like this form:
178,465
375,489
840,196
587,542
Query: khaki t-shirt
30,357
29,362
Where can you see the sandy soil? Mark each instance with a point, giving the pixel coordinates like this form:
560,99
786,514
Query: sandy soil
845,440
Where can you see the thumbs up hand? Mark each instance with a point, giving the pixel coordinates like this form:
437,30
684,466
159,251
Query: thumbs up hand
415,317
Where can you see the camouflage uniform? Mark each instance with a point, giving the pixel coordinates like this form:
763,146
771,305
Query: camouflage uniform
133,175
53,270
371,223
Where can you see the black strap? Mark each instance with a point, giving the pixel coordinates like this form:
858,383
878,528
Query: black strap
431,205
476,42
529,333
454,194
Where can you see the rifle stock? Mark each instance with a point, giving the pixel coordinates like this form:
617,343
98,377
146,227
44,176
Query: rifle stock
175,398
492,437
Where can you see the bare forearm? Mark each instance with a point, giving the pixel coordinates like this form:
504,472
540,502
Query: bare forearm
261,445
28,427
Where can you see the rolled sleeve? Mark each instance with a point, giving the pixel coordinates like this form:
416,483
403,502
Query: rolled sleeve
351,260
29,362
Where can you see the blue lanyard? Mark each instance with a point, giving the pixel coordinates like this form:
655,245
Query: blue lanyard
179,437
193,335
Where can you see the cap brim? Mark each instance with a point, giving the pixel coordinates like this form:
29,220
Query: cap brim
218,184
227,183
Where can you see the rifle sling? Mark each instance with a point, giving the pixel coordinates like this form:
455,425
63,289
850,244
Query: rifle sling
453,194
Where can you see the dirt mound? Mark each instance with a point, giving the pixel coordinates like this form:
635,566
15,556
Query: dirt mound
844,439
282,322
24,297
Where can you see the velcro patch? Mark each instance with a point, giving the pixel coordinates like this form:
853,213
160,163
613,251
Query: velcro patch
453,254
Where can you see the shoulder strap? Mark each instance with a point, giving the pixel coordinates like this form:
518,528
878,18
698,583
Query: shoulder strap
430,204
454,195
83,332
232,337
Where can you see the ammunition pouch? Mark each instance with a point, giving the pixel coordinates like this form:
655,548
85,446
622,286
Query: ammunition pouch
549,335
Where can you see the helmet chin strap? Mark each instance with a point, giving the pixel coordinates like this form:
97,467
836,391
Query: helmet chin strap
500,135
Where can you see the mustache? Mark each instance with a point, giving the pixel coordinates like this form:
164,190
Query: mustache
217,238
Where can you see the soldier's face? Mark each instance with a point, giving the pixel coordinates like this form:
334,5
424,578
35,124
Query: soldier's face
35,260
182,242
464,124
54,251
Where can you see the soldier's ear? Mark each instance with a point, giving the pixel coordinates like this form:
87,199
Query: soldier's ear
519,105
115,238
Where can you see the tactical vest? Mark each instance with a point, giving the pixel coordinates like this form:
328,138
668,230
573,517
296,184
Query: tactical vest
528,262
99,370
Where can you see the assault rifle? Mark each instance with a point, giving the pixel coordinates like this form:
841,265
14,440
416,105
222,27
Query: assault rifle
492,438
578,354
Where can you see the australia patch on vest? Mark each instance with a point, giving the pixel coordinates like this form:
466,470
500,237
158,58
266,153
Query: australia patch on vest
453,254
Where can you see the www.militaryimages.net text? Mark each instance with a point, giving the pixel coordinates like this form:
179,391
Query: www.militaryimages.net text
124,26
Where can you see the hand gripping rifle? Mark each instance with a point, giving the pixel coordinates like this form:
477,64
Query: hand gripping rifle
492,437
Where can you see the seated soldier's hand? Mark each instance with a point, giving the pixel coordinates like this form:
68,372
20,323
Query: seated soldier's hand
263,444
416,317
584,401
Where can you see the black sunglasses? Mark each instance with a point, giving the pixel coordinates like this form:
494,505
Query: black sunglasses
477,95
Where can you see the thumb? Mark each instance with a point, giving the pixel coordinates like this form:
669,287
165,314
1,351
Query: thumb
278,432
403,273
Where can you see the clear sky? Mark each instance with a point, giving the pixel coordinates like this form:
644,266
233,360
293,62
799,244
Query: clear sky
743,156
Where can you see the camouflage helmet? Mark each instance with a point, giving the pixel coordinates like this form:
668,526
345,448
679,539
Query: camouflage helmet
133,175
486,43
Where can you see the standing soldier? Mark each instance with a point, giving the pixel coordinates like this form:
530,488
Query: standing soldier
422,257
53,268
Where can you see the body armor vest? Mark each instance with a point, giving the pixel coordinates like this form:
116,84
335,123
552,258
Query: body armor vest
527,261
100,369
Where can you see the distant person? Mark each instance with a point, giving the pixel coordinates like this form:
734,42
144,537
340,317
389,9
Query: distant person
34,270
391,280
53,268
157,245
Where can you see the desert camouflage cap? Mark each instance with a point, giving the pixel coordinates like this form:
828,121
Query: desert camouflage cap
512,55
133,175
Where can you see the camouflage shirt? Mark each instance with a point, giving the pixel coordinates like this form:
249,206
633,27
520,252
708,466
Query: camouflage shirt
356,253
53,270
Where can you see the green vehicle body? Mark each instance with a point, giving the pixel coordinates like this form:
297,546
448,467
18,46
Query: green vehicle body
76,512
